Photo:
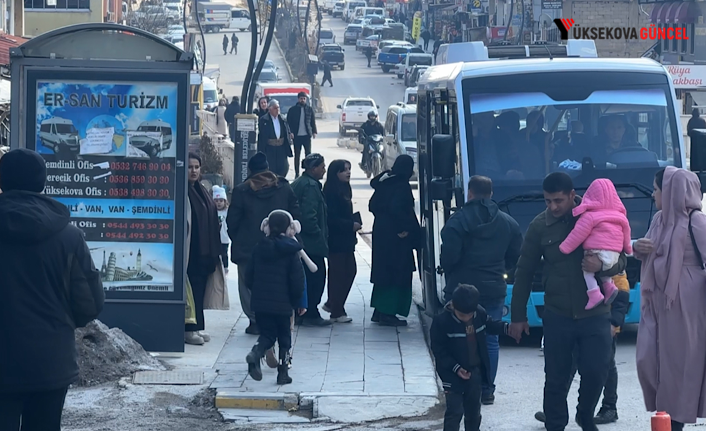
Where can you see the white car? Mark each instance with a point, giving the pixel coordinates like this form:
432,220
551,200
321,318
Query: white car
176,30
338,9
326,36
354,112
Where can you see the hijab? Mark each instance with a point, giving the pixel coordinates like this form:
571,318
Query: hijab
403,167
681,193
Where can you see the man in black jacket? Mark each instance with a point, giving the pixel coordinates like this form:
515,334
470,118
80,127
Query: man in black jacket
232,110
461,355
275,139
251,202
50,287
370,128
302,123
480,244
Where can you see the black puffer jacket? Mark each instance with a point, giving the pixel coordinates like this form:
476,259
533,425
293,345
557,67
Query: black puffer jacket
251,203
49,288
276,276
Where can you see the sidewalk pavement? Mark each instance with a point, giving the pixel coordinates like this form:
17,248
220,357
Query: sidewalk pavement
347,372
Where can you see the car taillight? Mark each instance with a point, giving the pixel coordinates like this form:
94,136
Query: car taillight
343,116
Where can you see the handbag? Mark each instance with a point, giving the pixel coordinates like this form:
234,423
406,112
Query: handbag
693,241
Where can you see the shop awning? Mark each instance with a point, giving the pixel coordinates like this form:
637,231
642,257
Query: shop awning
674,13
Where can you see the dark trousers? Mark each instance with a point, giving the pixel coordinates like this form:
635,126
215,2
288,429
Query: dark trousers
592,340
315,283
225,49
299,142
341,274
36,411
464,405
327,78
274,328
610,389
495,311
369,58
224,255
234,48
426,44
198,288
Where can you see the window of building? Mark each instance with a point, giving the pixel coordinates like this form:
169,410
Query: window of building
675,41
692,37
665,40
684,42
60,4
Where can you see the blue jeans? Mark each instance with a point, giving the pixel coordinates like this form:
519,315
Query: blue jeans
494,309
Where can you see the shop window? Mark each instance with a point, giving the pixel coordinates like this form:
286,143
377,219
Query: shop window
60,4
684,42
675,41
692,37
665,40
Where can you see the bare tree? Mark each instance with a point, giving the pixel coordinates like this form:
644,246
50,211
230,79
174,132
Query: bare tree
151,18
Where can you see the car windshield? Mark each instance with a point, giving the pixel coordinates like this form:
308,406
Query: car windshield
210,96
409,127
66,129
420,59
326,34
286,101
359,103
269,64
148,129
376,21
268,75
524,135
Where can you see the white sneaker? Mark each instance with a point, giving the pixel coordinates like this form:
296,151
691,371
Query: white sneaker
205,336
342,319
193,338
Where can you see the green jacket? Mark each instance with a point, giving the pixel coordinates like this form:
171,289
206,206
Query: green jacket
313,215
562,277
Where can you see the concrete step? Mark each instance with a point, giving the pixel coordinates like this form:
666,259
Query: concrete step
262,416
226,399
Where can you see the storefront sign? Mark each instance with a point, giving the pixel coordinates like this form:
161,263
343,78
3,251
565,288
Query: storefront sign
110,151
417,25
551,4
687,76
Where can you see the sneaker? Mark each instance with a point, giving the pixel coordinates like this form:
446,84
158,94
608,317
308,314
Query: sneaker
342,319
540,417
205,336
193,338
606,416
316,322
488,399
252,329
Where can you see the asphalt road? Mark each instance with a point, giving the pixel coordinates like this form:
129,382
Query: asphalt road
520,378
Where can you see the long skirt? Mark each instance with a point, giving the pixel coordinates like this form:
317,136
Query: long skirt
392,300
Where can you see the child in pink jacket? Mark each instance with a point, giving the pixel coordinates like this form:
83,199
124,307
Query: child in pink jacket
602,229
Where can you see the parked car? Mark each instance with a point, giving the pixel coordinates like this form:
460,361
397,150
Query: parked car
354,112
362,44
269,65
412,59
334,54
393,55
268,75
401,134
326,36
351,34
338,9
416,73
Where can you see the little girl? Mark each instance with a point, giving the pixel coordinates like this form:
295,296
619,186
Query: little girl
221,200
276,279
603,230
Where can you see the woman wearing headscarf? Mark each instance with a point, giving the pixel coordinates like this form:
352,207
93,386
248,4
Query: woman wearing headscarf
671,342
396,233
204,241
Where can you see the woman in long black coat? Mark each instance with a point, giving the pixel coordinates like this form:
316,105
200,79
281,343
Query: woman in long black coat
396,234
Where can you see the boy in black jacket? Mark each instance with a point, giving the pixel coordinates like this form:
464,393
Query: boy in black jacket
276,277
461,354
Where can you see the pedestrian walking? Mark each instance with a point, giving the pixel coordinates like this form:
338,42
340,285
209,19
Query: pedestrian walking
327,74
602,229
480,244
221,124
396,234
231,111
426,36
437,43
566,321
221,201
671,341
302,123
608,413
234,44
261,106
461,355
204,268
368,54
314,235
277,279
225,44
50,287
251,202
342,227
275,140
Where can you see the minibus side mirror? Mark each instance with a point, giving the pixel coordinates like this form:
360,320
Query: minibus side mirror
443,156
698,155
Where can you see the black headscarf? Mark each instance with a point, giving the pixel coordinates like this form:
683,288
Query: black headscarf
403,167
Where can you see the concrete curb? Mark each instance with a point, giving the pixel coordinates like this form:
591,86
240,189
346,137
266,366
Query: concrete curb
284,58
252,400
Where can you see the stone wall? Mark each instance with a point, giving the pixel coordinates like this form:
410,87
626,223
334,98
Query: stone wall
613,13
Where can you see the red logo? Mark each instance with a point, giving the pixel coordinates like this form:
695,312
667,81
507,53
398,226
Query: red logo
564,25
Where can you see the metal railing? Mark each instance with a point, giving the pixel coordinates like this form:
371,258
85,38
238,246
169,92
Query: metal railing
223,144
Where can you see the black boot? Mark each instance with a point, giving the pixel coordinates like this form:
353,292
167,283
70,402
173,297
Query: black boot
283,369
253,360
677,426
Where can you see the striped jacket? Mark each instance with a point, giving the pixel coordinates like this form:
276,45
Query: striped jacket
450,346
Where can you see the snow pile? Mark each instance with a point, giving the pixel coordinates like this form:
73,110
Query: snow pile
106,355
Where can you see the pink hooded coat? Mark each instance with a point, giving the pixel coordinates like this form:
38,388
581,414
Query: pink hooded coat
671,340
603,222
